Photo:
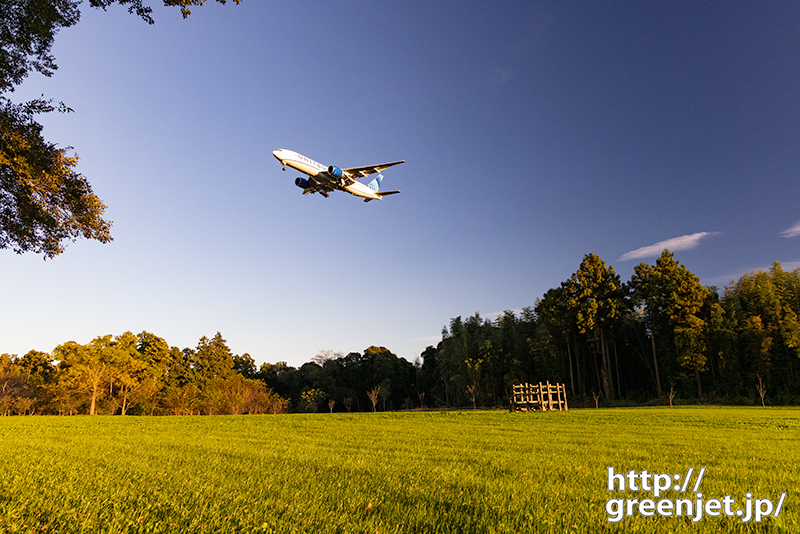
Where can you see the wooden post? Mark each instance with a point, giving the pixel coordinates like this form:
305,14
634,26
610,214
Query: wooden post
539,397
549,401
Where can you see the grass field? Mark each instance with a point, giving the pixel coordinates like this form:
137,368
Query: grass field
387,472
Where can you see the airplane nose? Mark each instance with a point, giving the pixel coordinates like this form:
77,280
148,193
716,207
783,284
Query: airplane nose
277,153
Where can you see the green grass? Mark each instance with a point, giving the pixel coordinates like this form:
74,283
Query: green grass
395,472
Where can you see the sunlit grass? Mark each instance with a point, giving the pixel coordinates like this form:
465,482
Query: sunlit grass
396,472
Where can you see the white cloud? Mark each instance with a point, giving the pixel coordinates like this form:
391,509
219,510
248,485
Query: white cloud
794,231
684,242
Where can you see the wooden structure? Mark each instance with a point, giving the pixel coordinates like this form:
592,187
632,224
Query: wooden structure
539,397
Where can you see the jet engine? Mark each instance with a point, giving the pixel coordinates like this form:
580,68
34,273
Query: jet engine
335,171
302,183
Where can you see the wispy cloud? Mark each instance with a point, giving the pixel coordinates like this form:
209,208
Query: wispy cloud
684,242
794,231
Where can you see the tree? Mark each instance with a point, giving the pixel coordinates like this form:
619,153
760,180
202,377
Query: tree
128,370
762,332
38,365
474,370
645,290
184,4
373,396
312,399
66,397
385,391
27,30
212,359
554,313
245,365
12,383
88,367
108,367
674,297
158,358
596,298
762,390
471,390
325,356
181,400
44,202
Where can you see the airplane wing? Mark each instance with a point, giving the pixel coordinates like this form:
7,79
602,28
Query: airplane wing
322,187
358,172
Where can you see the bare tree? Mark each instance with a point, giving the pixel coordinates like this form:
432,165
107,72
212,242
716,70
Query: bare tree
373,396
596,399
471,390
331,402
762,390
324,356
671,394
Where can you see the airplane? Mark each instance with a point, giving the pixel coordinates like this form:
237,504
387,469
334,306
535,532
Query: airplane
323,180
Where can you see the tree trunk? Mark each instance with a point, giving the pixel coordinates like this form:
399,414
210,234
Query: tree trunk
699,386
655,363
608,382
93,405
571,378
597,371
616,367
581,384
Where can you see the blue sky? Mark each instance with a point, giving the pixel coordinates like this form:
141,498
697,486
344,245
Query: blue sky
534,133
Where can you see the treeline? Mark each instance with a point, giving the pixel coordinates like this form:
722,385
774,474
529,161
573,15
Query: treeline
657,337
142,375
130,374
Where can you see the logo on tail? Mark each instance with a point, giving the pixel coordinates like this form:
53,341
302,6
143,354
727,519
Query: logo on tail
375,184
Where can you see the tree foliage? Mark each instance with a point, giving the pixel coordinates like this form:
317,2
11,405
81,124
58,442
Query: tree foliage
620,342
595,297
128,374
27,30
673,298
44,201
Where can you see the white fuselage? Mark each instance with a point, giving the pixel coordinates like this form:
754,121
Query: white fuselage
313,168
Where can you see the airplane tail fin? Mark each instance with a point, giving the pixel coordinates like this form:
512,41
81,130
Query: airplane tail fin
375,184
